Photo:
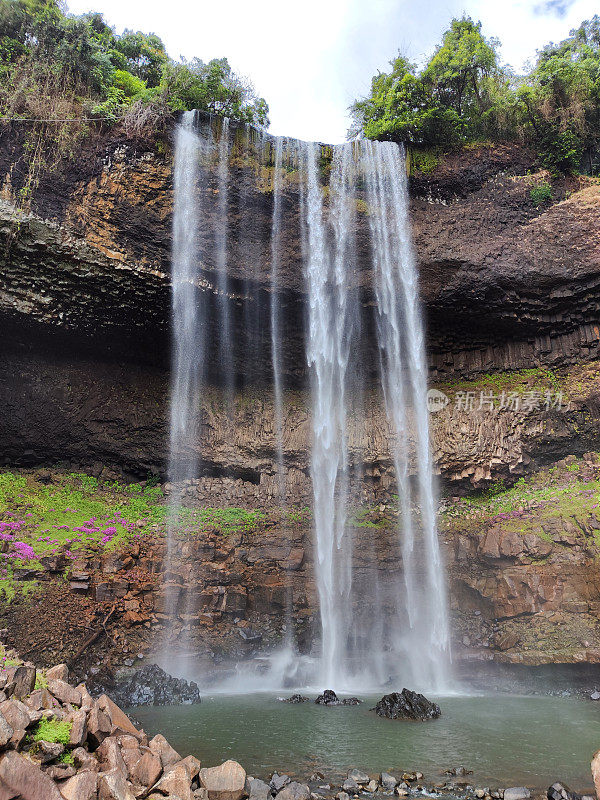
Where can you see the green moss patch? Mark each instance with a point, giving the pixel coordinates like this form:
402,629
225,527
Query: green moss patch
52,730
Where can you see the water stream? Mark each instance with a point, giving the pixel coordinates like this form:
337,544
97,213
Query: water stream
360,645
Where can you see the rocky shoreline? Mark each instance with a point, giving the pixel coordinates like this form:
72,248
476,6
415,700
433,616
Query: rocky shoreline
59,742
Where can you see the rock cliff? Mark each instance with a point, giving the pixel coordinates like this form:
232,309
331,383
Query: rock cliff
512,302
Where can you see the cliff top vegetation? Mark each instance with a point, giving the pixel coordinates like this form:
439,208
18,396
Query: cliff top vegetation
464,94
56,65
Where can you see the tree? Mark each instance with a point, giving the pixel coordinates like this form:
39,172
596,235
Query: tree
444,104
561,99
460,66
212,87
143,55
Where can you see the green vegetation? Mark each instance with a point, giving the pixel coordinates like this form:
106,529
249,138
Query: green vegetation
78,514
71,515
541,193
226,520
537,379
422,161
464,95
48,56
367,517
61,75
41,682
52,730
557,492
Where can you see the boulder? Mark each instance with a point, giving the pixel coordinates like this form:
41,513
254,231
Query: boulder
109,756
113,786
517,793
295,791
49,751
16,714
295,698
560,791
87,701
131,750
58,673
177,782
358,776
225,782
595,770
407,705
60,772
23,678
161,748
39,700
351,786
84,760
330,698
152,686
120,722
388,781
83,786
371,787
279,781
193,766
78,720
257,789
64,692
98,726
26,779
147,770
17,739
6,731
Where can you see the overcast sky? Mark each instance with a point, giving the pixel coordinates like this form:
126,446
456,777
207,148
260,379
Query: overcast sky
310,59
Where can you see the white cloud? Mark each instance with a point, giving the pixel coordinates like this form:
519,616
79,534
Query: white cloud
311,59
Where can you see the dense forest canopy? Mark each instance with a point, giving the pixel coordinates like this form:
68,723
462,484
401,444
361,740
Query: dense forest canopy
463,94
53,64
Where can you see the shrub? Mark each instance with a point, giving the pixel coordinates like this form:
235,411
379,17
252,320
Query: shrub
541,193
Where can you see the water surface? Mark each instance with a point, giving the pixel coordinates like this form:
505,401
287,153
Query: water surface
506,740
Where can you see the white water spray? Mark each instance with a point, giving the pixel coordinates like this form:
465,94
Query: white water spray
370,630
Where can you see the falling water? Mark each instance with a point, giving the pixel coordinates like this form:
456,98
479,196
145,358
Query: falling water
404,377
422,640
276,318
225,338
188,357
371,628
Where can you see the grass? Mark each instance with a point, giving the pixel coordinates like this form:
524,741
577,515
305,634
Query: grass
75,514
298,516
226,520
52,730
557,492
539,379
364,518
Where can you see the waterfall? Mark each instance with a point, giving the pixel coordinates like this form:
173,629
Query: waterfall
276,318
373,628
188,357
225,338
404,377
354,648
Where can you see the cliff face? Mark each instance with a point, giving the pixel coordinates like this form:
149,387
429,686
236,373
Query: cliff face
84,308
505,285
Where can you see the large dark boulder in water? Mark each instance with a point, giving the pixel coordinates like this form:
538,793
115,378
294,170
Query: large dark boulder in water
407,705
152,686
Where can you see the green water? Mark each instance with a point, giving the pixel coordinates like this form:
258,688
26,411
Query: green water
505,740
